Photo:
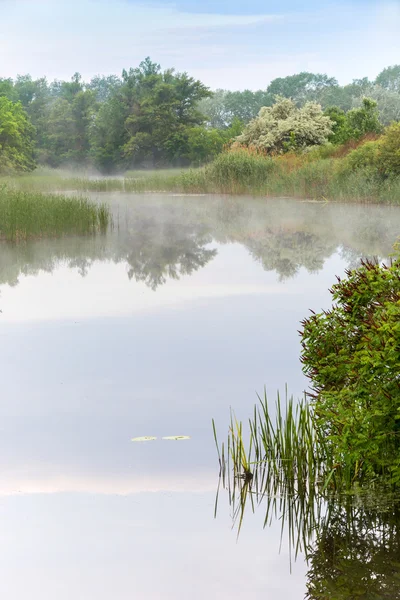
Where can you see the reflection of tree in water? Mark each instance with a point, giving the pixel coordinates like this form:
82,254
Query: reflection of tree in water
287,251
166,237
356,554
158,253
351,542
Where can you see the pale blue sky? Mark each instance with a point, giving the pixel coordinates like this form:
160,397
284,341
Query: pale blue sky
232,44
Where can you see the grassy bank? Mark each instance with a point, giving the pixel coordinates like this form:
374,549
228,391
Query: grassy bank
25,215
341,173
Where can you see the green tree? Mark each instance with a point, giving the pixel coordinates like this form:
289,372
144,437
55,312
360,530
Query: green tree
104,87
16,137
7,89
225,107
157,110
389,79
67,130
361,121
302,87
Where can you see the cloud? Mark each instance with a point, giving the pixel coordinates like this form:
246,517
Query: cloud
232,50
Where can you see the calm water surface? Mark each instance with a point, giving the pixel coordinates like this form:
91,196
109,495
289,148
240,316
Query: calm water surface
187,308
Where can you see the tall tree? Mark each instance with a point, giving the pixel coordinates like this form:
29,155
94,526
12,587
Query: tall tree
16,137
389,78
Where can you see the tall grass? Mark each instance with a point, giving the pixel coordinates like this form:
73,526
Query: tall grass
284,462
282,456
25,215
321,174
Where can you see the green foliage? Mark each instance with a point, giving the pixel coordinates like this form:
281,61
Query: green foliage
205,144
149,117
301,88
147,120
389,78
379,158
67,130
285,127
354,124
361,121
339,133
365,157
223,108
351,353
389,151
16,137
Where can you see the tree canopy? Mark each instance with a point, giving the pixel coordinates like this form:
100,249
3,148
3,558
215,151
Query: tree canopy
154,117
16,137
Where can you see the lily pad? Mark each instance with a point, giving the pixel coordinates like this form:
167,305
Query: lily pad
145,438
177,438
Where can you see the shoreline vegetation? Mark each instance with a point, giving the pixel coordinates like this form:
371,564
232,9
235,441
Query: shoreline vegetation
328,173
304,136
32,215
345,434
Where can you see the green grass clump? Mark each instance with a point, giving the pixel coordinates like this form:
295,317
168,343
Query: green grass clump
25,215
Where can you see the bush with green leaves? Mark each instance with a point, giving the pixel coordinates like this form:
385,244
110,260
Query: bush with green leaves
284,127
354,124
389,154
351,353
380,158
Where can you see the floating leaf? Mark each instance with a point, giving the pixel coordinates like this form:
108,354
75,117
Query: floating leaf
145,438
177,437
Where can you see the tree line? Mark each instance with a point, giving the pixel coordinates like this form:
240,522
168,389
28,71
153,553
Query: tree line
151,117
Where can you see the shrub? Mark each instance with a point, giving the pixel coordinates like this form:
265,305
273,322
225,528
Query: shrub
284,127
351,353
365,156
354,124
389,156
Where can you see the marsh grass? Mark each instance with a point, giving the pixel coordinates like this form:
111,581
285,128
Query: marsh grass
282,457
25,215
322,174
281,465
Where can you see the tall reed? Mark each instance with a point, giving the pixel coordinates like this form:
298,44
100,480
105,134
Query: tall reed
25,215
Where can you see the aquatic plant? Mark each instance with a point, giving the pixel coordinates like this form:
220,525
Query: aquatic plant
25,215
282,456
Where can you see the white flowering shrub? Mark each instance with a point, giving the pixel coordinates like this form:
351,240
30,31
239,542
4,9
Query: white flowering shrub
283,127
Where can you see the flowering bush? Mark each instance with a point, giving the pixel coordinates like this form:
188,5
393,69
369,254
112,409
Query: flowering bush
283,127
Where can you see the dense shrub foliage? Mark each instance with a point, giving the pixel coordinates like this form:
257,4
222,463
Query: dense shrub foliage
351,353
285,127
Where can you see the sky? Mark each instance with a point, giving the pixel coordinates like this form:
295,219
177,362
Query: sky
227,44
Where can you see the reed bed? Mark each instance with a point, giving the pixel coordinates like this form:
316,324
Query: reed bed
282,462
282,457
317,175
25,215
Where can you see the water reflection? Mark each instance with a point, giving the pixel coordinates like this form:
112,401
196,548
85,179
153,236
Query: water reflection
356,552
350,542
162,238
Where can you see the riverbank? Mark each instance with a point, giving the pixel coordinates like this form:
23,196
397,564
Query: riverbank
326,173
